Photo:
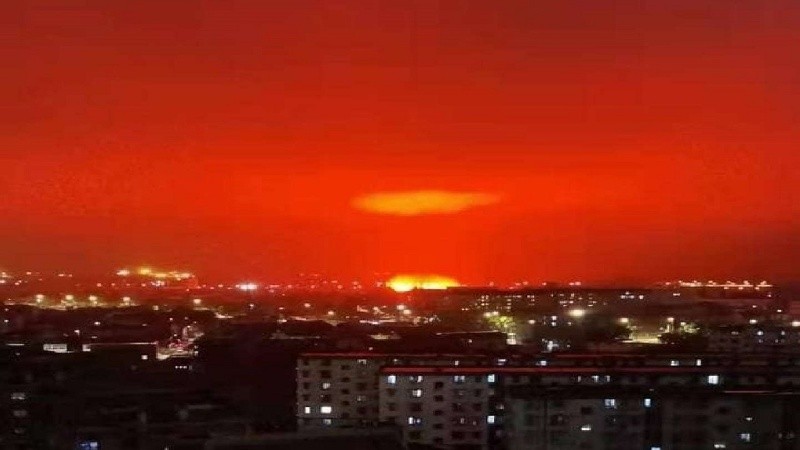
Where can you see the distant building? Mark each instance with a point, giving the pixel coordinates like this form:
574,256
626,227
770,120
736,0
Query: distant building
754,339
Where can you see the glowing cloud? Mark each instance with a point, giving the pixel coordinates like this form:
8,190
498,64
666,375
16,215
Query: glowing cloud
417,203
405,283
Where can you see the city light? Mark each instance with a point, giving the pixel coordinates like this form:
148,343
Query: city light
577,313
247,287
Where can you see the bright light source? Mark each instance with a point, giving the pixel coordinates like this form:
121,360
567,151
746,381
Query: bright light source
145,271
577,313
197,301
406,283
624,320
247,287
123,272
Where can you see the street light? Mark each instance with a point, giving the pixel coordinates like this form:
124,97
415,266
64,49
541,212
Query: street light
577,313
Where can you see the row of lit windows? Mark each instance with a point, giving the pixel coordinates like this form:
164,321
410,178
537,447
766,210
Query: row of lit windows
491,378
328,362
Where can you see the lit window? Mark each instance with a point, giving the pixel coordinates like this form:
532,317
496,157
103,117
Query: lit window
655,448
307,410
417,393
745,437
610,403
18,396
361,362
325,386
144,357
361,398
414,420
698,362
459,378
491,378
674,363
587,427
391,379
648,403
327,421
325,409
720,445
491,419
713,379
415,378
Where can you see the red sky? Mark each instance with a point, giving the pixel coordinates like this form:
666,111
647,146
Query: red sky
642,140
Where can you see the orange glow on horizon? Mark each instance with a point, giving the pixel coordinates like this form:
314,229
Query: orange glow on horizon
406,283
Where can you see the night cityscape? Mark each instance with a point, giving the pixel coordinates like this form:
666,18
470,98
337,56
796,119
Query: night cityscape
400,225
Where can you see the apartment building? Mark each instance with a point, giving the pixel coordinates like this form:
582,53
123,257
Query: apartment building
559,401
755,338
611,418
341,389
441,406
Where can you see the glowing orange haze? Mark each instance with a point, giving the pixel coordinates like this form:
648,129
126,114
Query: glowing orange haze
418,203
488,140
